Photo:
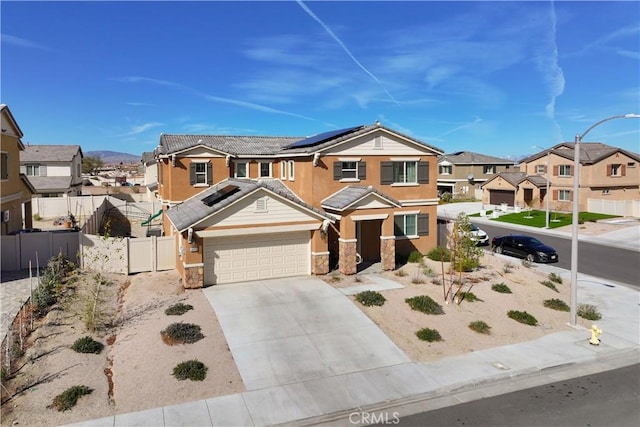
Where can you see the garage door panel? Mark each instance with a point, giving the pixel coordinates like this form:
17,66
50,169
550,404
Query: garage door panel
243,258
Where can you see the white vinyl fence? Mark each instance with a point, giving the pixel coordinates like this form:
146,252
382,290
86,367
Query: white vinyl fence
629,208
115,255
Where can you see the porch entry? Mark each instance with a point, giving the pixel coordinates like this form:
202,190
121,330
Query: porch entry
368,239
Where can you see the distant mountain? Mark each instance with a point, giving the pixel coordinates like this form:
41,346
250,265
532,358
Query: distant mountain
113,157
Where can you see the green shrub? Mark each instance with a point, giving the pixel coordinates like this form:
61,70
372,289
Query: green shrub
589,312
480,327
370,298
181,333
37,217
501,288
555,278
193,370
522,317
466,264
439,253
68,399
556,304
431,335
526,263
178,309
87,345
508,267
424,304
468,296
549,284
400,273
415,256
446,197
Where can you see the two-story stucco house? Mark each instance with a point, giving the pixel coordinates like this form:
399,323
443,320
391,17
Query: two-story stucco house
462,173
15,189
53,170
606,172
150,171
250,207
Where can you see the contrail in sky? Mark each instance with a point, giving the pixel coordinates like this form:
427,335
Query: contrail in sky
555,75
342,45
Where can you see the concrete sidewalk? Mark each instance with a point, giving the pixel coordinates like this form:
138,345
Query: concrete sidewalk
407,388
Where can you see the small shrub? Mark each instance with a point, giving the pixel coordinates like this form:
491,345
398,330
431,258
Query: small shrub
37,217
508,267
400,273
178,309
336,277
68,399
430,335
549,284
480,327
522,317
424,304
589,312
428,271
436,282
501,288
414,256
526,263
181,333
468,296
439,253
357,279
87,345
417,278
370,298
556,304
555,278
193,370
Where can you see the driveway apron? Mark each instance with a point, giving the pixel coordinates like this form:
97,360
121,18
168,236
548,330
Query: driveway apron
285,331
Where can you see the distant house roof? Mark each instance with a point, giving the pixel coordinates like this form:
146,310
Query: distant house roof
148,158
590,152
471,158
351,194
49,153
195,209
272,145
513,178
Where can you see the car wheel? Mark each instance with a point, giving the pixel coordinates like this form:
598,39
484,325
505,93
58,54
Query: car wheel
531,258
498,249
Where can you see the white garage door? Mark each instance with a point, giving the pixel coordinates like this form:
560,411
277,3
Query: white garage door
253,257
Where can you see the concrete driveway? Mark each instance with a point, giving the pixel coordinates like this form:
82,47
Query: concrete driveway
286,331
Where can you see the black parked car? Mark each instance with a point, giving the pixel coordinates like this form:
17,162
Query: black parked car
526,247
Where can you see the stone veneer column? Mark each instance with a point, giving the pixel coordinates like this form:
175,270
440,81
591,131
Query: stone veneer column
319,263
347,256
193,276
388,252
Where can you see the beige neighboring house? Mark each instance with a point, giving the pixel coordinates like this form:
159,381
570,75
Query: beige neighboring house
462,173
53,170
15,189
607,175
150,171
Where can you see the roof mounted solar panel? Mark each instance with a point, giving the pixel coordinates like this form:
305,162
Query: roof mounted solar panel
322,137
219,195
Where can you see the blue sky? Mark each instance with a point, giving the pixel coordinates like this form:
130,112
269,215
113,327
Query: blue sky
490,77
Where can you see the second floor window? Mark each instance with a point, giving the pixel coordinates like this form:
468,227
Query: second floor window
33,170
564,170
405,172
489,169
265,169
349,170
446,169
4,166
615,170
291,170
242,170
540,169
201,173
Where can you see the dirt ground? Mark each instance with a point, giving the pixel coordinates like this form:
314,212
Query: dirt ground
134,371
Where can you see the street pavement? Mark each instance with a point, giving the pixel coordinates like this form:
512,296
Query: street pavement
358,392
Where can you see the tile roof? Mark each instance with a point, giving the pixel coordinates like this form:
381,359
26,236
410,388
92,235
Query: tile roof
469,157
194,210
537,180
590,152
50,183
266,145
350,195
49,153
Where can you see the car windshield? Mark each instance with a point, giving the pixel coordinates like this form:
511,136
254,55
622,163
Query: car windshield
474,227
532,241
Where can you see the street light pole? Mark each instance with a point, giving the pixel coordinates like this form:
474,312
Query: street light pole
573,309
547,195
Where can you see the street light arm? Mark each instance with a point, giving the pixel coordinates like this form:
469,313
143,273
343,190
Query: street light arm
620,116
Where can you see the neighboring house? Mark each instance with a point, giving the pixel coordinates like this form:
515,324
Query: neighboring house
15,189
150,171
251,207
462,173
53,170
606,172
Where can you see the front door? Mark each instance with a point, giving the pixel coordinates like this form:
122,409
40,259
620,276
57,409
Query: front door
368,237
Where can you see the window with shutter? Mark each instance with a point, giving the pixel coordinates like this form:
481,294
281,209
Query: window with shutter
423,224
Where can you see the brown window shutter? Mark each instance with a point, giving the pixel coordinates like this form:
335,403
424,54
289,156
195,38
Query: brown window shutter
386,173
423,225
423,172
192,173
337,171
623,170
571,196
555,170
209,173
362,170
555,194
608,170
